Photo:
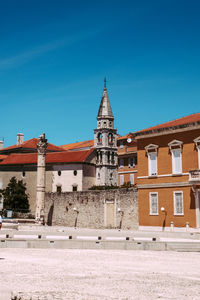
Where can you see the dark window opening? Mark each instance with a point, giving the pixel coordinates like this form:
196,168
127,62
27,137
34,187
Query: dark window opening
74,188
59,189
101,157
135,160
108,154
100,138
113,157
75,172
23,174
110,138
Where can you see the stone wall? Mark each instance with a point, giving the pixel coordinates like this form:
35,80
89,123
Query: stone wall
88,209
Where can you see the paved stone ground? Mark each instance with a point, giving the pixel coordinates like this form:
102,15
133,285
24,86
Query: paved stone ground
45,274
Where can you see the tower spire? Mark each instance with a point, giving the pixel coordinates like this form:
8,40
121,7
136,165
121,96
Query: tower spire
105,110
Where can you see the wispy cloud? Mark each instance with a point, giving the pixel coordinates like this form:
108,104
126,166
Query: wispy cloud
26,56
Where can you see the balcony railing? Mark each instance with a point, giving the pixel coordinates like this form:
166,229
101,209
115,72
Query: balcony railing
194,176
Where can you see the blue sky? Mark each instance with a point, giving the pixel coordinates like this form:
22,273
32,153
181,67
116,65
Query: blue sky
54,56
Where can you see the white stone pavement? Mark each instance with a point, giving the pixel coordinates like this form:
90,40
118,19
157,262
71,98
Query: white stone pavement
45,274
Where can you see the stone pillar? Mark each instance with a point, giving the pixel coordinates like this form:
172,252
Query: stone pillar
41,163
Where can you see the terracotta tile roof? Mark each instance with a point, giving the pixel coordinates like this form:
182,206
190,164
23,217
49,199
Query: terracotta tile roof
3,156
125,137
78,145
32,144
53,157
191,119
90,143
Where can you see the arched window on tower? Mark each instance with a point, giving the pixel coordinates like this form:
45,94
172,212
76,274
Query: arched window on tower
101,157
108,156
110,138
113,158
99,137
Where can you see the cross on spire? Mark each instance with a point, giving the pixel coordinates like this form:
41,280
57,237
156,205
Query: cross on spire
105,82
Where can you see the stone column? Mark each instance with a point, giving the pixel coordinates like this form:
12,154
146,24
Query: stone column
41,163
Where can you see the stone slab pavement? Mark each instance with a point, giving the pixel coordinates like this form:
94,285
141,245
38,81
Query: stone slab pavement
45,274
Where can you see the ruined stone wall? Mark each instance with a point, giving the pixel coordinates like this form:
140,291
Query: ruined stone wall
91,209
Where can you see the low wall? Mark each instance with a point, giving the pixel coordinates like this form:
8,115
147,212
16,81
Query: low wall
91,209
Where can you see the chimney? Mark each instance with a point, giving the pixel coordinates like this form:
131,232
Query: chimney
20,138
1,144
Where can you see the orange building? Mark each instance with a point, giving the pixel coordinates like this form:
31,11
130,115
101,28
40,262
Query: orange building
169,175
127,159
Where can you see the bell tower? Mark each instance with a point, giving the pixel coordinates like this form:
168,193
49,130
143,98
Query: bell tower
105,142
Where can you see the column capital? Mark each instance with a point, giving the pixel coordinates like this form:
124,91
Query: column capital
42,144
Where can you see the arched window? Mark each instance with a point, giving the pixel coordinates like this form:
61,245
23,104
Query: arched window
99,137
113,157
101,156
108,155
110,138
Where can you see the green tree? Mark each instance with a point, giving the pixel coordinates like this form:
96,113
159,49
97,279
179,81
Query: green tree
15,196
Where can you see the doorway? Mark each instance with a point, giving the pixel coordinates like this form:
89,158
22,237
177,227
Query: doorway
110,215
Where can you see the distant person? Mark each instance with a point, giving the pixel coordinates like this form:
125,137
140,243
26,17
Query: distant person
0,222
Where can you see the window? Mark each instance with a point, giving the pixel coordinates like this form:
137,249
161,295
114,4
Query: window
176,149
152,162
59,173
197,143
178,203
108,157
101,157
75,172
121,179
113,157
153,198
23,174
99,137
121,162
74,188
152,151
176,161
121,144
131,162
59,189
132,179
110,138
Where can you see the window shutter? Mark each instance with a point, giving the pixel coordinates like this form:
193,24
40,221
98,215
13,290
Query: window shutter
132,178
178,203
121,162
129,162
153,164
121,179
177,164
153,204
133,160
